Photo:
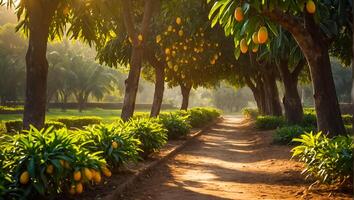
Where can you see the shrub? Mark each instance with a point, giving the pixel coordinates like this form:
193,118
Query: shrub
347,119
269,122
115,145
11,110
327,160
309,119
78,122
138,115
198,117
176,125
44,162
13,126
250,113
151,134
284,135
349,129
7,189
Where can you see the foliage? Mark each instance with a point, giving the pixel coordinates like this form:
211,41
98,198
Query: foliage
79,122
329,14
269,122
309,119
286,134
116,145
327,160
176,125
10,110
349,129
200,116
231,99
43,160
16,125
347,119
151,134
12,50
250,113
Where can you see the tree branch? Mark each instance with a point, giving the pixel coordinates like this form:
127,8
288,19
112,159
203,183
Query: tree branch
128,21
299,67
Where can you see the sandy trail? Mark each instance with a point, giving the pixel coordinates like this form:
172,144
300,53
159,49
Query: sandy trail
230,161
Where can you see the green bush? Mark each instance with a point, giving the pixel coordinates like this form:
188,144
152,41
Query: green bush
284,135
7,189
309,119
326,160
78,122
310,111
176,125
269,122
199,117
349,129
43,161
138,115
117,147
10,110
250,113
347,119
13,126
151,134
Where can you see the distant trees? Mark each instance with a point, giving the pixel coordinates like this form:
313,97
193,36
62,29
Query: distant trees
12,71
72,72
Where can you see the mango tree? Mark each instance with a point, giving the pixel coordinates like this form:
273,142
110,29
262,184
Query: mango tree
192,59
287,56
314,25
43,20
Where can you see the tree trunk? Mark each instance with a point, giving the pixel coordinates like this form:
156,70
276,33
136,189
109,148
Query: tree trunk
136,59
292,102
40,15
65,100
314,45
272,102
159,90
132,83
258,93
185,90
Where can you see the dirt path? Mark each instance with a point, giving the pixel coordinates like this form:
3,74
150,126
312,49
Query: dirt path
230,161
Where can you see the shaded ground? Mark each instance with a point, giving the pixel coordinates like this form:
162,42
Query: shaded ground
230,161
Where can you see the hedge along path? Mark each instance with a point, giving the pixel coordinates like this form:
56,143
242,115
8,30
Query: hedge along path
230,161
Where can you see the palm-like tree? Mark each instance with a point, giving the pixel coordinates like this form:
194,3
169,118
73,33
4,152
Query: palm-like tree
90,79
12,50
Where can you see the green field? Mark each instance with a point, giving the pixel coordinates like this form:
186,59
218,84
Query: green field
107,115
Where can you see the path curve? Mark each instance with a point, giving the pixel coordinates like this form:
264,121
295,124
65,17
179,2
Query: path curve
230,161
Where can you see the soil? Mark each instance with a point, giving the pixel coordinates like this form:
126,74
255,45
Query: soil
230,161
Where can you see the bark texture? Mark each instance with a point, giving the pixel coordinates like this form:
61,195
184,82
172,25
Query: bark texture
185,90
40,15
272,101
159,85
257,89
292,102
136,59
314,45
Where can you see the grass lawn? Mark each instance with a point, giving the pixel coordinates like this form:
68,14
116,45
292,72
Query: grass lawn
107,115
